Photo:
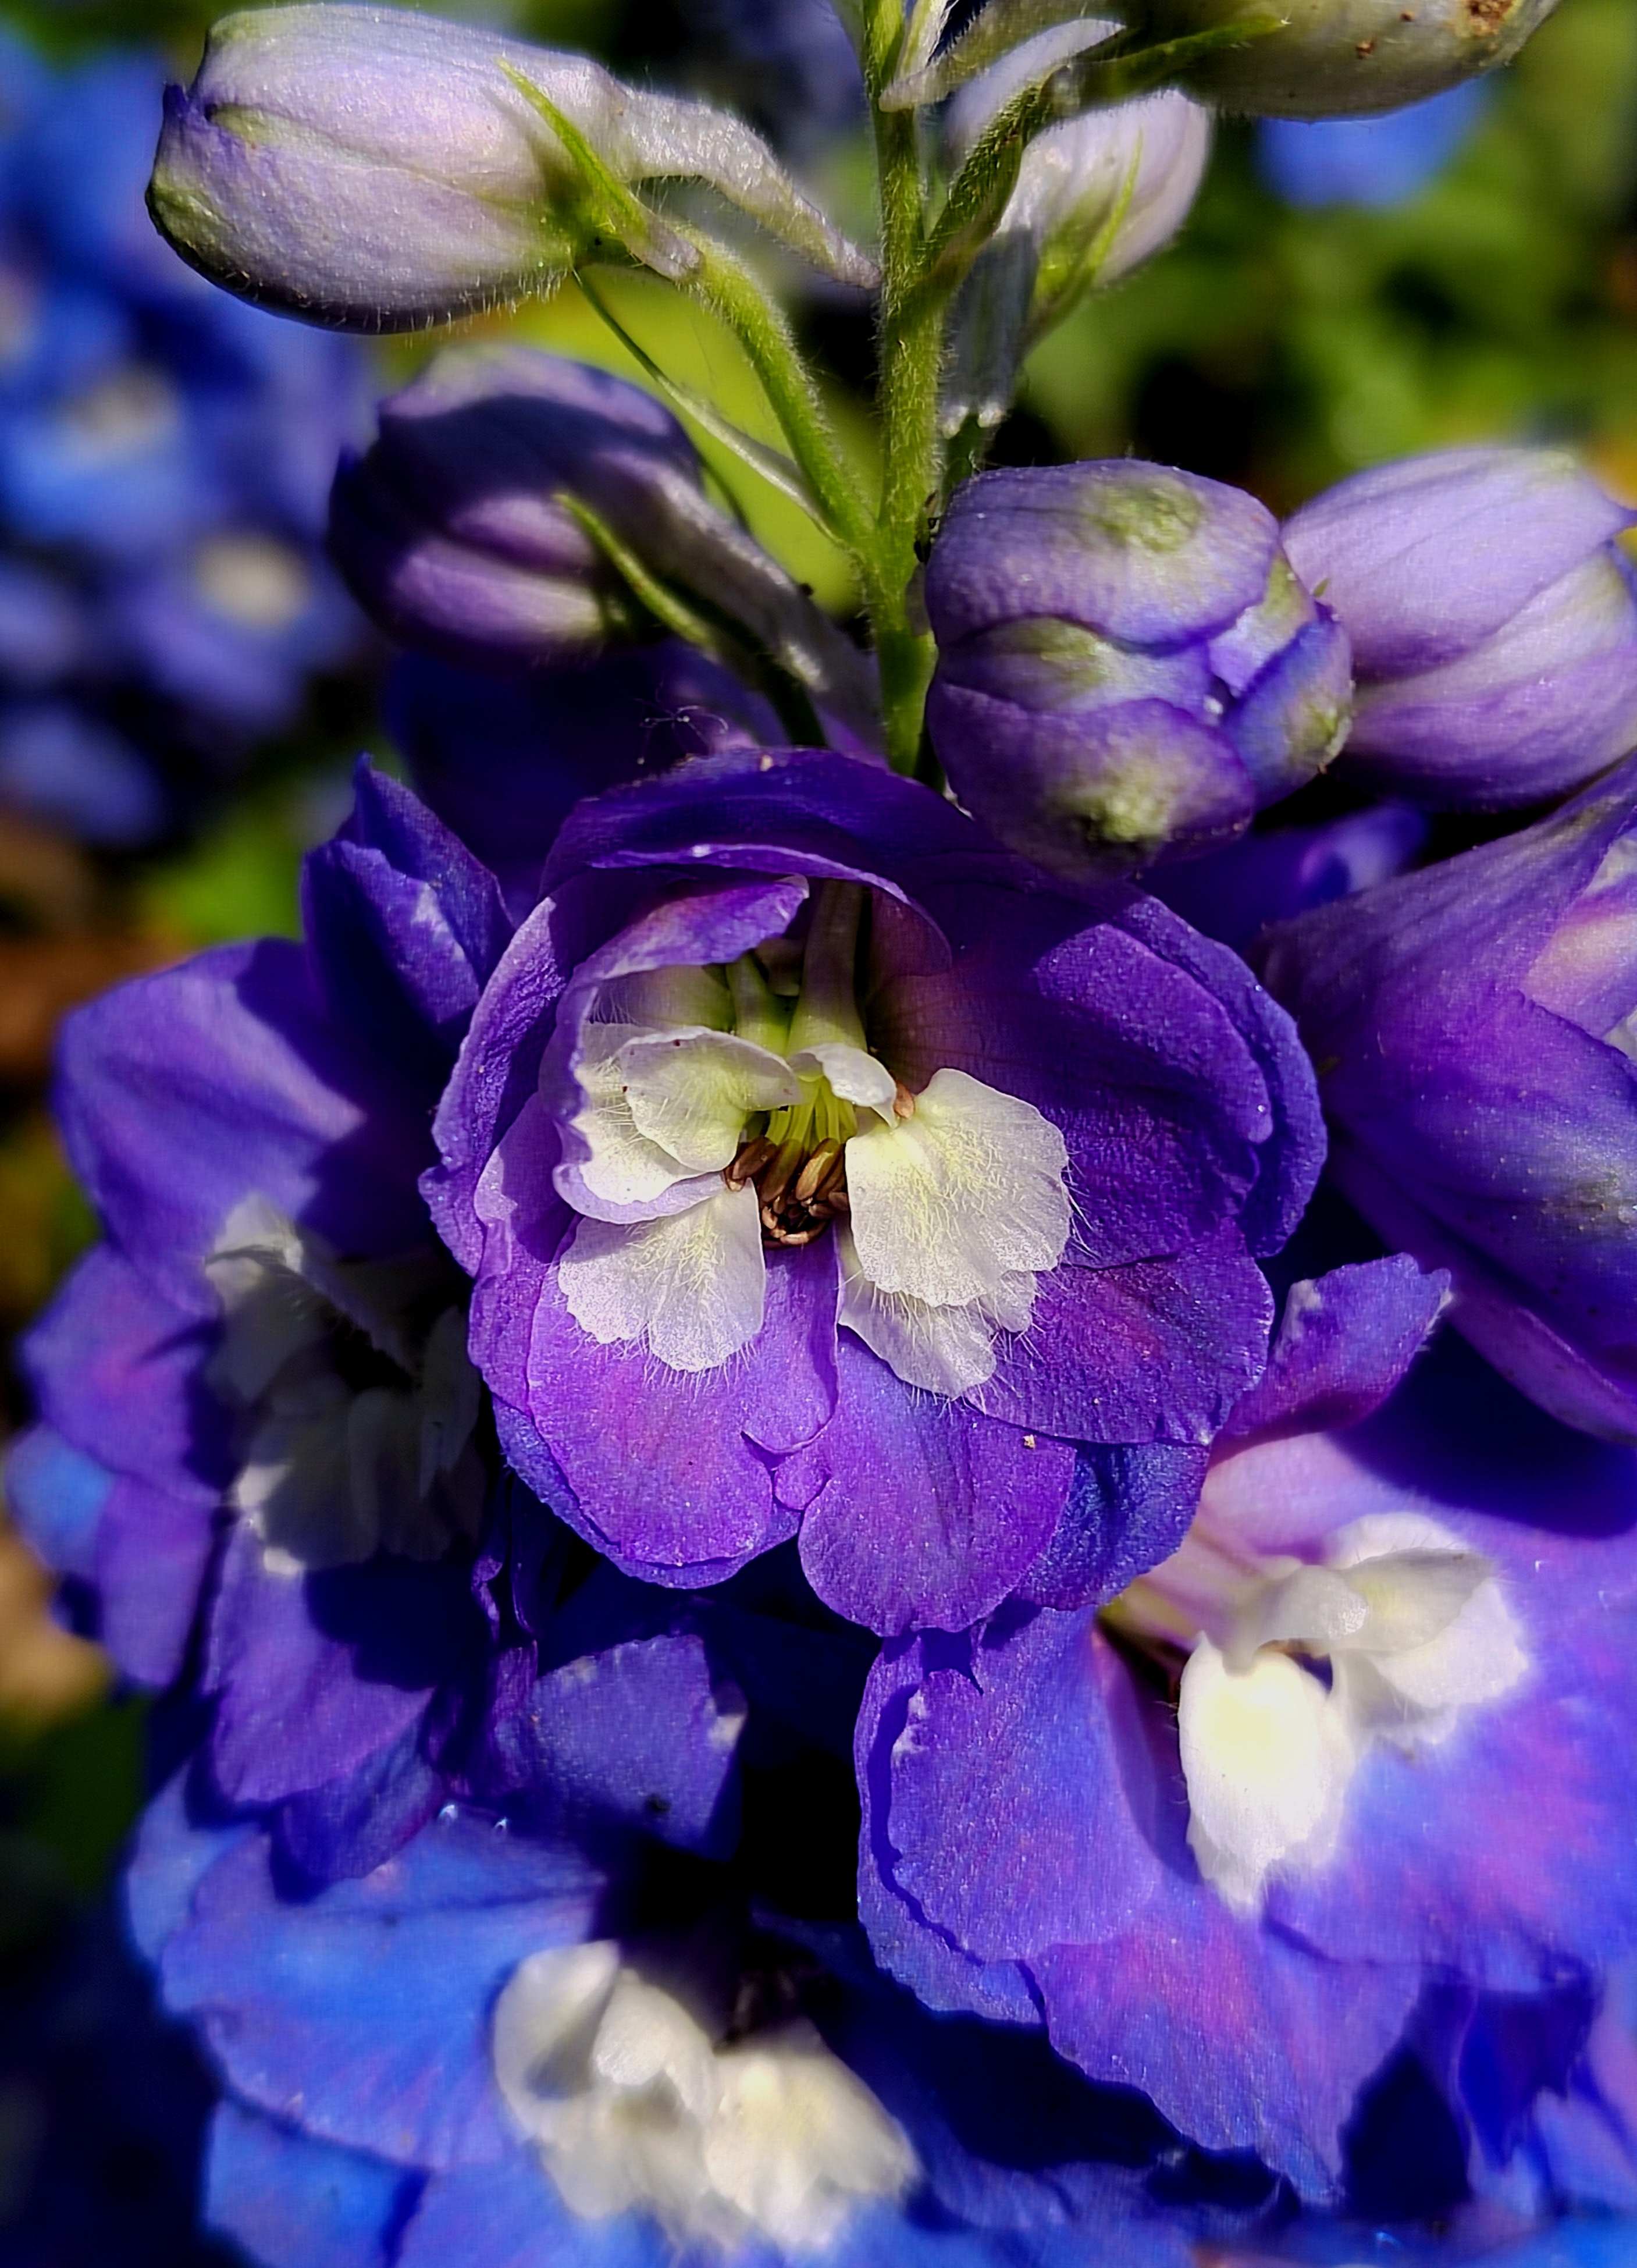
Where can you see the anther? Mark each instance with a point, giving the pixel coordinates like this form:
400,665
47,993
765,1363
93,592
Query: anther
753,1156
817,1170
903,1103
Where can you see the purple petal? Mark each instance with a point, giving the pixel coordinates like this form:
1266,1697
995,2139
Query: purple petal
152,1550
317,1673
273,2193
182,1093
1070,542
920,1512
1344,1342
642,1734
1156,1350
1129,1509
368,2005
1381,543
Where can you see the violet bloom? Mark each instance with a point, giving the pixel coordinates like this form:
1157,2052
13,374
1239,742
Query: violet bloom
258,1427
820,1169
1128,666
1471,1027
496,2049
1225,1831
1494,621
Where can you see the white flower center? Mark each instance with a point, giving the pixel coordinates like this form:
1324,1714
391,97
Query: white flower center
633,2105
1414,1629
359,1398
725,1114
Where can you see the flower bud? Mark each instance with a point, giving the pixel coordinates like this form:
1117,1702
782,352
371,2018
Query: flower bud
1095,197
479,526
1494,622
1474,1026
1128,666
379,171
455,529
1342,58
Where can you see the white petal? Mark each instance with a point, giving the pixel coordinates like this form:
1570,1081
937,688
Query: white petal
1412,1598
661,997
545,2024
945,1205
690,1092
1267,1758
624,1167
1477,1658
945,1349
854,1075
799,2139
693,1283
647,2036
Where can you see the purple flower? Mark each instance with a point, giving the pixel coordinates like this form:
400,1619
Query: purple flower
820,1168
457,529
259,1423
492,2049
1494,621
1470,1028
1127,665
1227,1831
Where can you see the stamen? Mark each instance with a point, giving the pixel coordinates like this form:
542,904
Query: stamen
753,1156
903,1103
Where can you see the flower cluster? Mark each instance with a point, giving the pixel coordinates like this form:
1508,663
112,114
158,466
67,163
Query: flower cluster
165,456
820,1594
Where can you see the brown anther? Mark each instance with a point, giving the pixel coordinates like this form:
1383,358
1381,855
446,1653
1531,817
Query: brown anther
753,1156
1365,47
903,1103
815,1172
834,1179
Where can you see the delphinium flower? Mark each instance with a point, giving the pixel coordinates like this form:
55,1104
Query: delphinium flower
853,1214
1228,1829
256,1400
534,2050
819,1167
1470,1027
164,457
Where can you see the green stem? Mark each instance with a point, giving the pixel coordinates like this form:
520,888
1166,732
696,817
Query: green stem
730,291
912,348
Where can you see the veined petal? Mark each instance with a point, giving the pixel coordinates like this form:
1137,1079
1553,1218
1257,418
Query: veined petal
969,1190
624,1167
692,1283
690,1092
945,1349
1267,1758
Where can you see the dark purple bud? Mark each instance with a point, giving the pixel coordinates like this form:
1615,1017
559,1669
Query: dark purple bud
456,530
1494,622
1475,1029
1128,666
507,494
375,170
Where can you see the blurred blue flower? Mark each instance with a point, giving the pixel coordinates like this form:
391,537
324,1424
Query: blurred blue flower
1378,162
166,456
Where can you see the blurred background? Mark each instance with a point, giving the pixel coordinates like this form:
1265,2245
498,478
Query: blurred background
183,683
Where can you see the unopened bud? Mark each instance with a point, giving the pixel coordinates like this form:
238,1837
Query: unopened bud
519,510
1494,621
377,171
1095,197
1128,666
1342,58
